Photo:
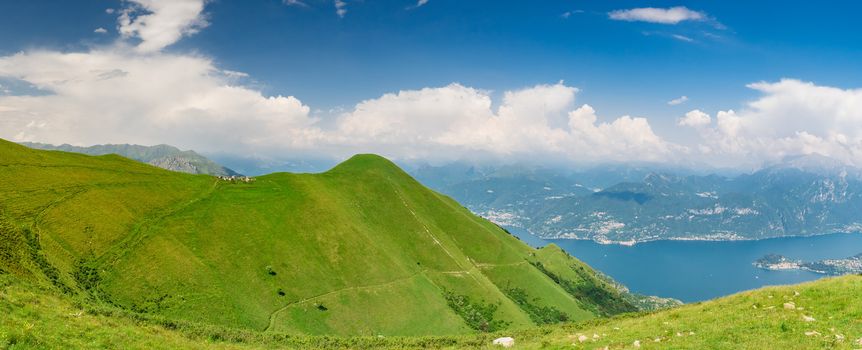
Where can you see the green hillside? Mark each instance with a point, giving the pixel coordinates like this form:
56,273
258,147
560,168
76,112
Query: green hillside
362,249
40,318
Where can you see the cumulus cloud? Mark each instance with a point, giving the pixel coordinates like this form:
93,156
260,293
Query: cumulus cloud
536,121
112,96
695,118
678,101
100,30
671,15
160,23
791,117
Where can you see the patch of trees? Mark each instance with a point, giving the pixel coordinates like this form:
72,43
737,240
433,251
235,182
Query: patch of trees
598,299
477,314
539,314
34,249
152,304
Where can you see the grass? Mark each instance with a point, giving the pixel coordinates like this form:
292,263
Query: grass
372,245
35,317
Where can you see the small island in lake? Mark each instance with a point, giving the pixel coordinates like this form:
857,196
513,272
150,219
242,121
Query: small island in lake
833,267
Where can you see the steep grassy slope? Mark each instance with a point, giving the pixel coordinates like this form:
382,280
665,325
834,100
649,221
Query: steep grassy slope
37,318
362,249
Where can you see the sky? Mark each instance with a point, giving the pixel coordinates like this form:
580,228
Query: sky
567,82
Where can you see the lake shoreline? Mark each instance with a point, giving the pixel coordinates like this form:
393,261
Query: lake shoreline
697,270
631,243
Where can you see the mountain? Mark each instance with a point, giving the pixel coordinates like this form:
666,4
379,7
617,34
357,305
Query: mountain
803,195
162,156
362,249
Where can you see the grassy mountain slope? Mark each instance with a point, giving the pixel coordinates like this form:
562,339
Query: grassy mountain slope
362,249
162,156
38,318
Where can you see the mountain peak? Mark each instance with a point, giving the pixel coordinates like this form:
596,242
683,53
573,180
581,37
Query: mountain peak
365,162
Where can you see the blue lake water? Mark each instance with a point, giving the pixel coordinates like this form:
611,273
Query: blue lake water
698,270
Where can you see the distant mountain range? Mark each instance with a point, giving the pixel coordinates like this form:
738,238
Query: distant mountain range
162,156
804,195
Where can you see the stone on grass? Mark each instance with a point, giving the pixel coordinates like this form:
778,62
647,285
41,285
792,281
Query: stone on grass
637,343
808,318
790,306
506,342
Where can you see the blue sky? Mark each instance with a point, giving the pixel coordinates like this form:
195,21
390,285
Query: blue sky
619,67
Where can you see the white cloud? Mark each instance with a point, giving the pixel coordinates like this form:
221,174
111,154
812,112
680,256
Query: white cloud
160,23
791,117
671,15
532,122
295,3
682,38
117,96
421,2
678,101
340,8
695,118
100,30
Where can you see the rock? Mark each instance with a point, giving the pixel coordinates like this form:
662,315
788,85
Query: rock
812,333
506,342
657,340
582,338
595,336
790,306
839,337
859,341
808,318
637,343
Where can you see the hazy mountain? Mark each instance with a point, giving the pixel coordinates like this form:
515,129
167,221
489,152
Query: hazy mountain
803,195
162,156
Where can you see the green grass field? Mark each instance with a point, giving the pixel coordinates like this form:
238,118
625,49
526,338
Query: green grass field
36,317
360,250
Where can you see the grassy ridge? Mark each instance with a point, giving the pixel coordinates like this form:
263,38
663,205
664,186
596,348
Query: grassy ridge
362,249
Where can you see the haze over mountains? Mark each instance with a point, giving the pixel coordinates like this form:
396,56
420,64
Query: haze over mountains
802,195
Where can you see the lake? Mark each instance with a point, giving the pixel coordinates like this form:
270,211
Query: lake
699,270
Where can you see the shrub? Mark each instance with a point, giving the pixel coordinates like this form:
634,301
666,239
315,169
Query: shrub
477,315
539,314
